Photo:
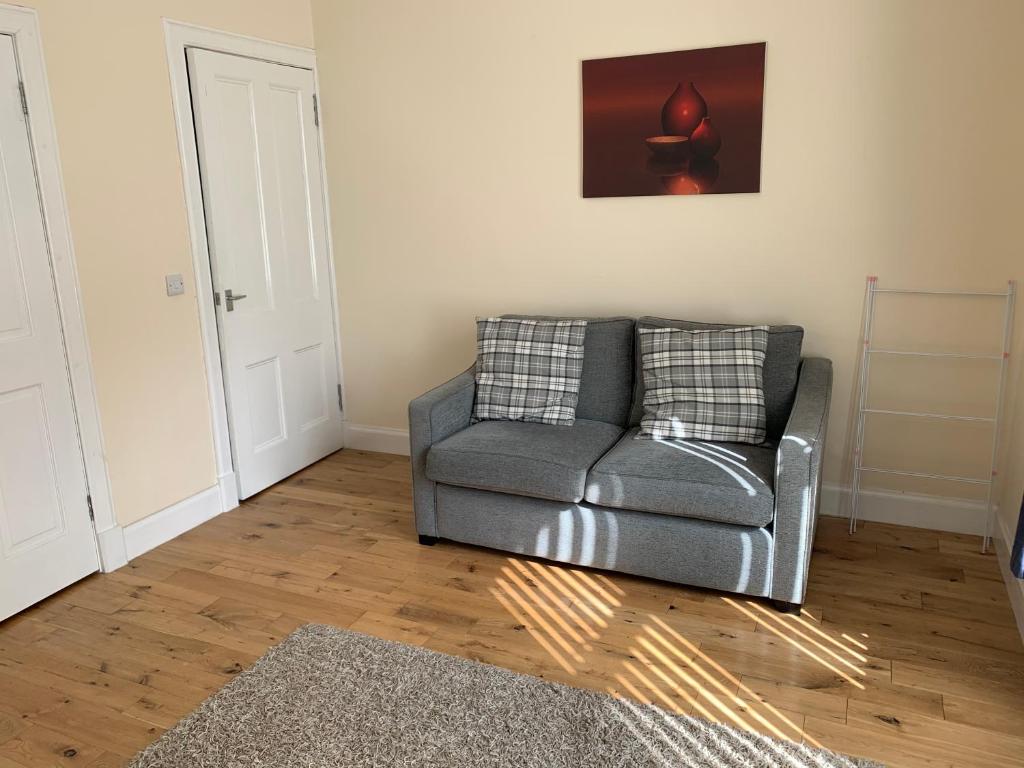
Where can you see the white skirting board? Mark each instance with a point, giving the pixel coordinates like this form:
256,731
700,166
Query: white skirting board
1014,586
915,510
120,544
152,531
381,439
111,546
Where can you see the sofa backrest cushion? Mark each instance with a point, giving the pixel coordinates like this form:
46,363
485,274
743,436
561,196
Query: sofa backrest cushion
606,390
781,368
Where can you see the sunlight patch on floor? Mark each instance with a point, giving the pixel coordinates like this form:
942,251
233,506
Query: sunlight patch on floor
568,611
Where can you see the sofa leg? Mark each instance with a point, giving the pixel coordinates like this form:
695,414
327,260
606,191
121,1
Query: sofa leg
783,607
428,541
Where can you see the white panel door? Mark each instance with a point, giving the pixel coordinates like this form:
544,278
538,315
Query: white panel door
46,538
259,156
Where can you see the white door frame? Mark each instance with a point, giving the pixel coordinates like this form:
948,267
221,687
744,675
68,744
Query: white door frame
179,36
23,25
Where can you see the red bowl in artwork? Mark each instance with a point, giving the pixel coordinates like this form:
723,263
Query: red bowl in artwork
668,146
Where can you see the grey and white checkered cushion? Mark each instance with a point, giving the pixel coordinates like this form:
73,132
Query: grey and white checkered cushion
705,384
528,370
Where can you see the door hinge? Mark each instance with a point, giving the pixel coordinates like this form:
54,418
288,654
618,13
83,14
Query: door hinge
24,100
316,111
341,402
88,501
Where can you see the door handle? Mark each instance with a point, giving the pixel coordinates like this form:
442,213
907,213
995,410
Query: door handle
230,299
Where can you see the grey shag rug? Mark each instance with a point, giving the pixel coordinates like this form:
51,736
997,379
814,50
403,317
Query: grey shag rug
330,697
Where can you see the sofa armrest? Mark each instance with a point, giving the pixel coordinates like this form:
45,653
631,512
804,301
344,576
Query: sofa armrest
441,412
798,465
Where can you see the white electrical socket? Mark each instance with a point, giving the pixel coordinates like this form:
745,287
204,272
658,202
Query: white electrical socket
175,285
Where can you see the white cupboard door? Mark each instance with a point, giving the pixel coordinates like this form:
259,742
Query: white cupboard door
259,157
46,537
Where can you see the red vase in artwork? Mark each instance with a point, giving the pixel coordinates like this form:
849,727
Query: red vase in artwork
679,184
705,140
683,111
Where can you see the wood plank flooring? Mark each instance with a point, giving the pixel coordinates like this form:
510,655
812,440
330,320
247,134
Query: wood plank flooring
907,652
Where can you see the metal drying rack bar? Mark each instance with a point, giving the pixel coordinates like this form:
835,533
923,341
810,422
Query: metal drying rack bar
863,410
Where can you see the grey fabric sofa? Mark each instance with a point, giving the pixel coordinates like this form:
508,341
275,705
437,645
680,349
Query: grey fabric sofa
726,516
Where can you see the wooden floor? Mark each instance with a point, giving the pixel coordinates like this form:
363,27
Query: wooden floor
907,651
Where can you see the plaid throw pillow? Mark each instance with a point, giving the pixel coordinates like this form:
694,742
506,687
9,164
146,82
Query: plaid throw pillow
528,370
705,385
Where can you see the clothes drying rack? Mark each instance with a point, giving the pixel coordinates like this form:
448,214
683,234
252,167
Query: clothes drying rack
869,350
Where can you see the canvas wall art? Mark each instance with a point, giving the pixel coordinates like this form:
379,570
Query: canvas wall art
680,123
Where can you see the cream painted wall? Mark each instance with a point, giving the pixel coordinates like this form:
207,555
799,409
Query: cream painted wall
452,141
891,147
109,83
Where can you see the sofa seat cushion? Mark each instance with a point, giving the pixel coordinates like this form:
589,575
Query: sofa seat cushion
724,482
524,458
